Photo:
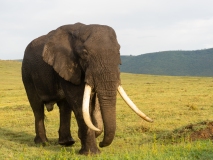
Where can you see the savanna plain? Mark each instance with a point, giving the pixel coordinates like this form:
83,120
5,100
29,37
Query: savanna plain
181,107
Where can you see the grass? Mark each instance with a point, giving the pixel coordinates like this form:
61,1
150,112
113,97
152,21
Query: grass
172,102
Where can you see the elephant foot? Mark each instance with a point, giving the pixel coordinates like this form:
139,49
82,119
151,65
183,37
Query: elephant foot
66,142
39,140
92,151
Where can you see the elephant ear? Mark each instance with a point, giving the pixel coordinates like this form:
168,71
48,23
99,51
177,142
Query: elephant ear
59,54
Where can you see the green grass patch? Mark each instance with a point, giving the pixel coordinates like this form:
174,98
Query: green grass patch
174,103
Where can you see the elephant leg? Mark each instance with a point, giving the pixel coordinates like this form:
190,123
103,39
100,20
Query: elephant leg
65,137
86,135
88,141
39,124
38,109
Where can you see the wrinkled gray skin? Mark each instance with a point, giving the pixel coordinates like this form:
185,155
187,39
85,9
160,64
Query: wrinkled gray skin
56,68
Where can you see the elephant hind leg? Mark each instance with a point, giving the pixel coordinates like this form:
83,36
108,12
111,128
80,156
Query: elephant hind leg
65,137
38,109
39,125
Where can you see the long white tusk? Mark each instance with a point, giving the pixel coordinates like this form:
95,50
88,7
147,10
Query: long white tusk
85,108
132,105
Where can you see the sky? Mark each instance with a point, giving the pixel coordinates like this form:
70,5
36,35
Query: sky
142,26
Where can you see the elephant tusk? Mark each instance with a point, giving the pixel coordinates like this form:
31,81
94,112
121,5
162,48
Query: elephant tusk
85,108
132,105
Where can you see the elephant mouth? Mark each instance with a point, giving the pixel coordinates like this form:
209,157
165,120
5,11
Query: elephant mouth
86,102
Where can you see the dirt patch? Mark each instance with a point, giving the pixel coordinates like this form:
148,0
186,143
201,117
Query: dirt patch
202,130
192,132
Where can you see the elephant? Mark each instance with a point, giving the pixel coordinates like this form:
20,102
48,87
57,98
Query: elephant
76,66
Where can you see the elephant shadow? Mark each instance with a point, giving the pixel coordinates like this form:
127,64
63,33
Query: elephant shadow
24,138
16,136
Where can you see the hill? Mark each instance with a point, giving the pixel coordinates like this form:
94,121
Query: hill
174,63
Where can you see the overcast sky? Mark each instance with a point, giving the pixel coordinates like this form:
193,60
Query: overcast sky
142,26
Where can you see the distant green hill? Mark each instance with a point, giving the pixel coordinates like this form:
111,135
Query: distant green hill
174,63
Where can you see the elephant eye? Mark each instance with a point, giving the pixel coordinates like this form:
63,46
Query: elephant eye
85,51
83,54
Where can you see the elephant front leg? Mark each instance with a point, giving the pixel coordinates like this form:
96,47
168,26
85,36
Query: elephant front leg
65,137
88,140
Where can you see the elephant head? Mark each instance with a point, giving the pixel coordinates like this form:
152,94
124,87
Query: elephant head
90,53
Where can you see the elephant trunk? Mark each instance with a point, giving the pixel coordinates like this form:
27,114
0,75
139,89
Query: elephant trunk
108,111
107,100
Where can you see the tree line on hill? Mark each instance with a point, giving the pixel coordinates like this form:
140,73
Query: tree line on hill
173,63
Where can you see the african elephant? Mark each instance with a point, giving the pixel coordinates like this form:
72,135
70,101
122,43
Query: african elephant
77,67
